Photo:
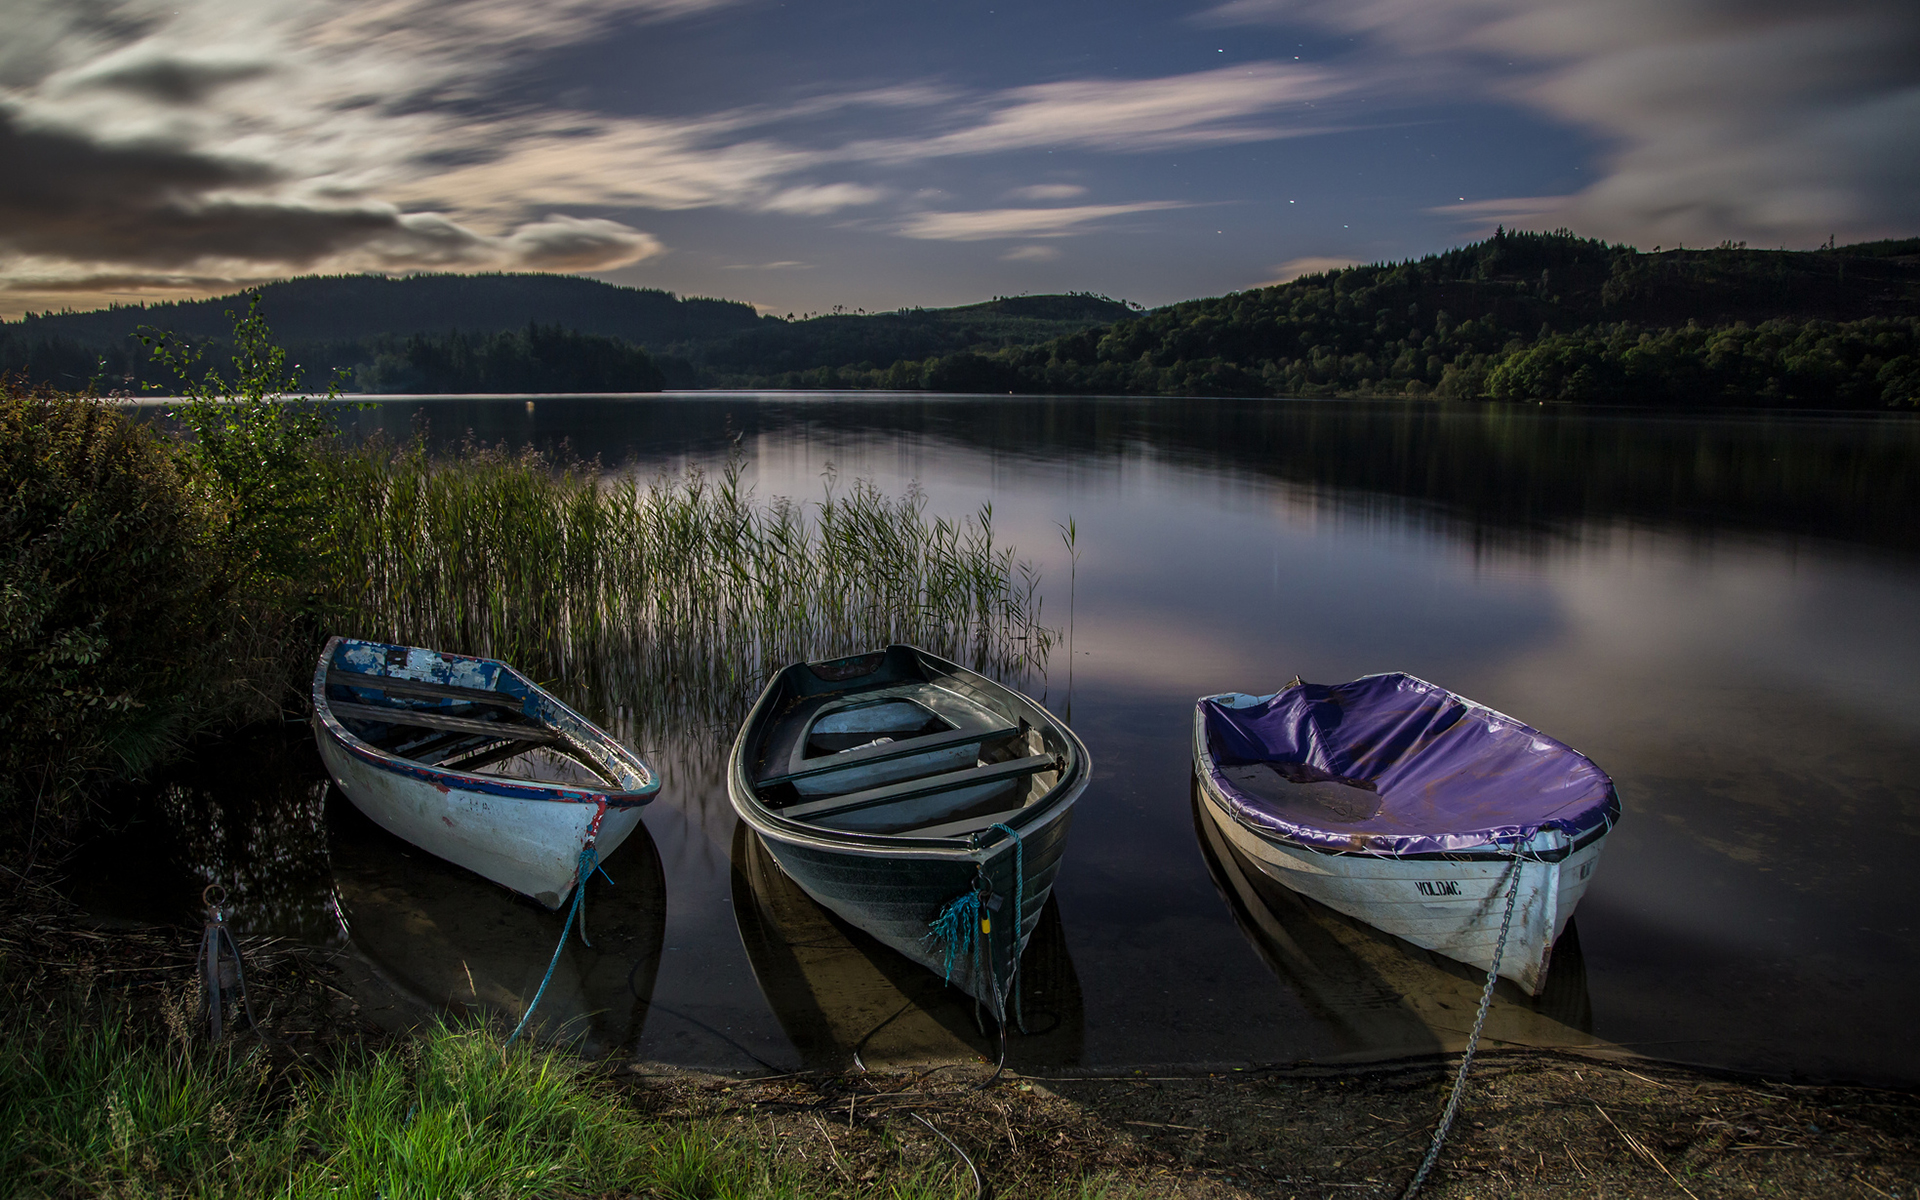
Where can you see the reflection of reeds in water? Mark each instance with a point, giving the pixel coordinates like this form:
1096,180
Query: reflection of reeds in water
683,592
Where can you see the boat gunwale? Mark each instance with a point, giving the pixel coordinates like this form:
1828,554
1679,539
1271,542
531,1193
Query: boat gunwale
769,823
1549,844
443,778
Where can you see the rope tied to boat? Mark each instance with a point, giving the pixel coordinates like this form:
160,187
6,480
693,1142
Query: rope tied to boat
215,936
1019,914
583,871
963,929
956,930
1473,1039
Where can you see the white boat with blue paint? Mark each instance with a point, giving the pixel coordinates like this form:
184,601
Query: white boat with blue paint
1413,809
472,761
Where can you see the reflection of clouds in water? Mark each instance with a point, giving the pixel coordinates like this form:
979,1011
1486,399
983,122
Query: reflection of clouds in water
1640,605
1755,705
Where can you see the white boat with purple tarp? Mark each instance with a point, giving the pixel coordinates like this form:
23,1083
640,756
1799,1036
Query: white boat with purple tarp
470,760
1408,807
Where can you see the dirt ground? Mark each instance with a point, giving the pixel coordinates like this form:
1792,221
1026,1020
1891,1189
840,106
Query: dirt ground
1534,1123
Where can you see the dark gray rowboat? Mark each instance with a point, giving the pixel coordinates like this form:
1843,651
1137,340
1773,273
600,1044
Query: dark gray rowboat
895,787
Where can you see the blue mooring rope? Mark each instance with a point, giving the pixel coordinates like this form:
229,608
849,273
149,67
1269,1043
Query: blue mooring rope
958,928
1019,914
589,862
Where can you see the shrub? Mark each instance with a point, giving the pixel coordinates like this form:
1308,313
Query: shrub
107,613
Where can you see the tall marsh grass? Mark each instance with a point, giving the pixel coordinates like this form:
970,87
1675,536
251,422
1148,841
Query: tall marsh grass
680,594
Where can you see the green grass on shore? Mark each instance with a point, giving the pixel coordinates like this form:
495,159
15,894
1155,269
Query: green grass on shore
101,1109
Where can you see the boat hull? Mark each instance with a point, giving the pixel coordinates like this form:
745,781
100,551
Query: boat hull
893,876
895,897
1452,905
524,831
845,1000
531,846
1379,995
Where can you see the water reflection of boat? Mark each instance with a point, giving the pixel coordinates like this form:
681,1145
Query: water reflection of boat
471,760
1411,808
451,940
1381,995
837,991
905,793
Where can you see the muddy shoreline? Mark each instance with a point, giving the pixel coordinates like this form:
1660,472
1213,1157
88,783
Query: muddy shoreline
1534,1123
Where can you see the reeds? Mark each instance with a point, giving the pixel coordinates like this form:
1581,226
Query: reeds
678,595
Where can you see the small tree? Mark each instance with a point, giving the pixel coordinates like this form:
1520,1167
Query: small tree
263,452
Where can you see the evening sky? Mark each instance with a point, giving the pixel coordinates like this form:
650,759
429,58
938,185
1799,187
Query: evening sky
811,153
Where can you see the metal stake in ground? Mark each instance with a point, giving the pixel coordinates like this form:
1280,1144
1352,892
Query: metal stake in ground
1473,1042
212,974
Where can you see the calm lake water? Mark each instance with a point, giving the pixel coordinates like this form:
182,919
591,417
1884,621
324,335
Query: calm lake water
1722,610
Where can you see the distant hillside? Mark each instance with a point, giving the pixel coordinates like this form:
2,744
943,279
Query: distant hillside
390,335
342,308
780,353
1520,316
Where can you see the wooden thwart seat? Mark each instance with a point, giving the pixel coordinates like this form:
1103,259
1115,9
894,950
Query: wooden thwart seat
832,806
421,688
433,720
860,756
954,828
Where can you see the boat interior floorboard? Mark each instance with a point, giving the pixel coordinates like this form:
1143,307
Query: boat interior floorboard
420,688
434,720
875,752
962,825
833,806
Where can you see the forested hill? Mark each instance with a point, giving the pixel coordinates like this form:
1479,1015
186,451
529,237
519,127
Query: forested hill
1519,316
341,308
493,333
818,351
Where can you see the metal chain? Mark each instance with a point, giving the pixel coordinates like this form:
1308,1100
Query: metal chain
1473,1042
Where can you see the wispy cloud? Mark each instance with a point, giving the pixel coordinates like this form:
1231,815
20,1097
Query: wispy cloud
184,141
988,224
1479,217
816,199
1031,254
1729,118
161,146
1230,104
1042,192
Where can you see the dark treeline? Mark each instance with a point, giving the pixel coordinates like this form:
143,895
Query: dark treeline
1520,316
356,308
856,348
534,359
443,333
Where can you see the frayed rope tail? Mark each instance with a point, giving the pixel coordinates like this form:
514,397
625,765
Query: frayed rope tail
956,930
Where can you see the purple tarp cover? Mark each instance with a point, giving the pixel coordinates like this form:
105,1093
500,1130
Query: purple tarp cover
1447,774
